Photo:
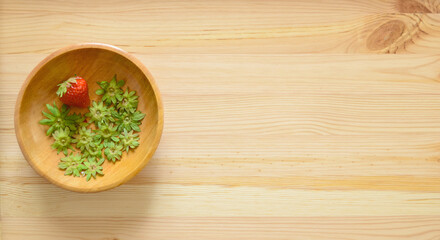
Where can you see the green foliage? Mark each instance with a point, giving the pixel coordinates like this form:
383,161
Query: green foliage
62,140
129,140
113,152
58,119
128,121
110,91
100,113
85,139
95,150
108,134
73,164
93,167
128,102
106,130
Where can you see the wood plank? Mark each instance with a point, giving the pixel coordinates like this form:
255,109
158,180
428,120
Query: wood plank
300,135
343,26
277,124
27,199
299,6
359,228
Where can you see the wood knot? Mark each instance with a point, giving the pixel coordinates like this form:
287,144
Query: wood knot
411,6
385,35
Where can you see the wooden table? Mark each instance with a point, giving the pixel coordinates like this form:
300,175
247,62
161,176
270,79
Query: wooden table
299,119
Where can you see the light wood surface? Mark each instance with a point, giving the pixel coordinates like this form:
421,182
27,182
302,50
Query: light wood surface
95,63
283,120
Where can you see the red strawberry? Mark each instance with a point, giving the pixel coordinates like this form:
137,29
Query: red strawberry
74,92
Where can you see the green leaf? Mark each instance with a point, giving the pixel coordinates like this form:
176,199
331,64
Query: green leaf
107,100
88,176
65,109
50,130
63,165
53,110
45,121
99,92
68,171
116,114
135,127
48,115
82,167
115,139
137,116
103,84
72,128
61,90
121,83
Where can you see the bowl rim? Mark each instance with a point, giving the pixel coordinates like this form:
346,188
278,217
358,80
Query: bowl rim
136,62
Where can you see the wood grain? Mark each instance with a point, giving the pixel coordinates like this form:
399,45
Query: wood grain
226,228
277,124
292,140
214,26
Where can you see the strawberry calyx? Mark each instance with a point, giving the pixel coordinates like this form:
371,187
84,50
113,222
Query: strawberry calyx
129,140
62,89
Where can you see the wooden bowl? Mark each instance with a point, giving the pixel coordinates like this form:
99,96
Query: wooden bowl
93,62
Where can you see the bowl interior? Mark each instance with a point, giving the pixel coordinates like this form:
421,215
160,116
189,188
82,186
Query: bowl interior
94,64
